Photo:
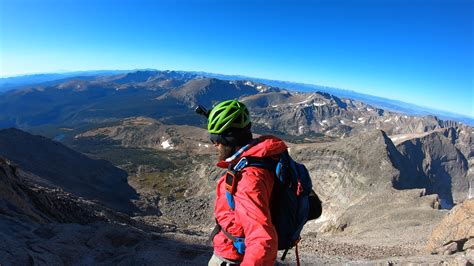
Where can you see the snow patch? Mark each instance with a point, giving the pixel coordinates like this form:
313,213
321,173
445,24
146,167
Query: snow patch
369,109
387,120
319,104
274,106
300,129
342,122
303,102
470,194
167,144
324,121
399,138
207,146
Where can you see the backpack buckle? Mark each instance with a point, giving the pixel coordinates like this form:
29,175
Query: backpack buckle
239,244
241,164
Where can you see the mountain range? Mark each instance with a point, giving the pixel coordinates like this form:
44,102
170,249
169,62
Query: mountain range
169,97
380,102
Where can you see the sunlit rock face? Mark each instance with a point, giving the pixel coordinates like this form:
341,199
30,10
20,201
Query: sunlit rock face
355,171
346,171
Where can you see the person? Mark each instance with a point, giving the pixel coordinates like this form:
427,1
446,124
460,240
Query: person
229,126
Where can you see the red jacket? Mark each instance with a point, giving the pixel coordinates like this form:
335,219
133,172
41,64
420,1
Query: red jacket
251,218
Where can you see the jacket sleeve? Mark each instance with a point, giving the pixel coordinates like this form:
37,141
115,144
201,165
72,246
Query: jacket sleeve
253,211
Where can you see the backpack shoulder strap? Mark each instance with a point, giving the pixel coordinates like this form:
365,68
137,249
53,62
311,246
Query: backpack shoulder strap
267,162
233,172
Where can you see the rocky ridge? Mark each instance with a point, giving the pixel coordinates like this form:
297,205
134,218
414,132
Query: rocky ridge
298,113
61,166
45,225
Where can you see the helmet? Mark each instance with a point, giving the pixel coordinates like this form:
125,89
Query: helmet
228,114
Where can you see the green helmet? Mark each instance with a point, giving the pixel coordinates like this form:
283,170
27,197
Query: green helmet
228,114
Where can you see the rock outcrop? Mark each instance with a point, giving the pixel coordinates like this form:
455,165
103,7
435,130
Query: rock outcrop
455,232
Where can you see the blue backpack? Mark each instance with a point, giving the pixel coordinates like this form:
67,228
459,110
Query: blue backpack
293,201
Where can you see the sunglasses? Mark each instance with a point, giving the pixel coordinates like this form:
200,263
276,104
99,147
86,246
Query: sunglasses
216,139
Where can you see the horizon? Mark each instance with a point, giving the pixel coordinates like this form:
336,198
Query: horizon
418,53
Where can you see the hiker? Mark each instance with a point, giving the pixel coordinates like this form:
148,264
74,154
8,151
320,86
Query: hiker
229,126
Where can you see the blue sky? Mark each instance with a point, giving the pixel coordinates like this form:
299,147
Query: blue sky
416,51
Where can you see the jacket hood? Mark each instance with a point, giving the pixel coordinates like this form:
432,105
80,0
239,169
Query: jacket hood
267,146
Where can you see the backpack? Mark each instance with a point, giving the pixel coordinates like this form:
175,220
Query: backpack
293,201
